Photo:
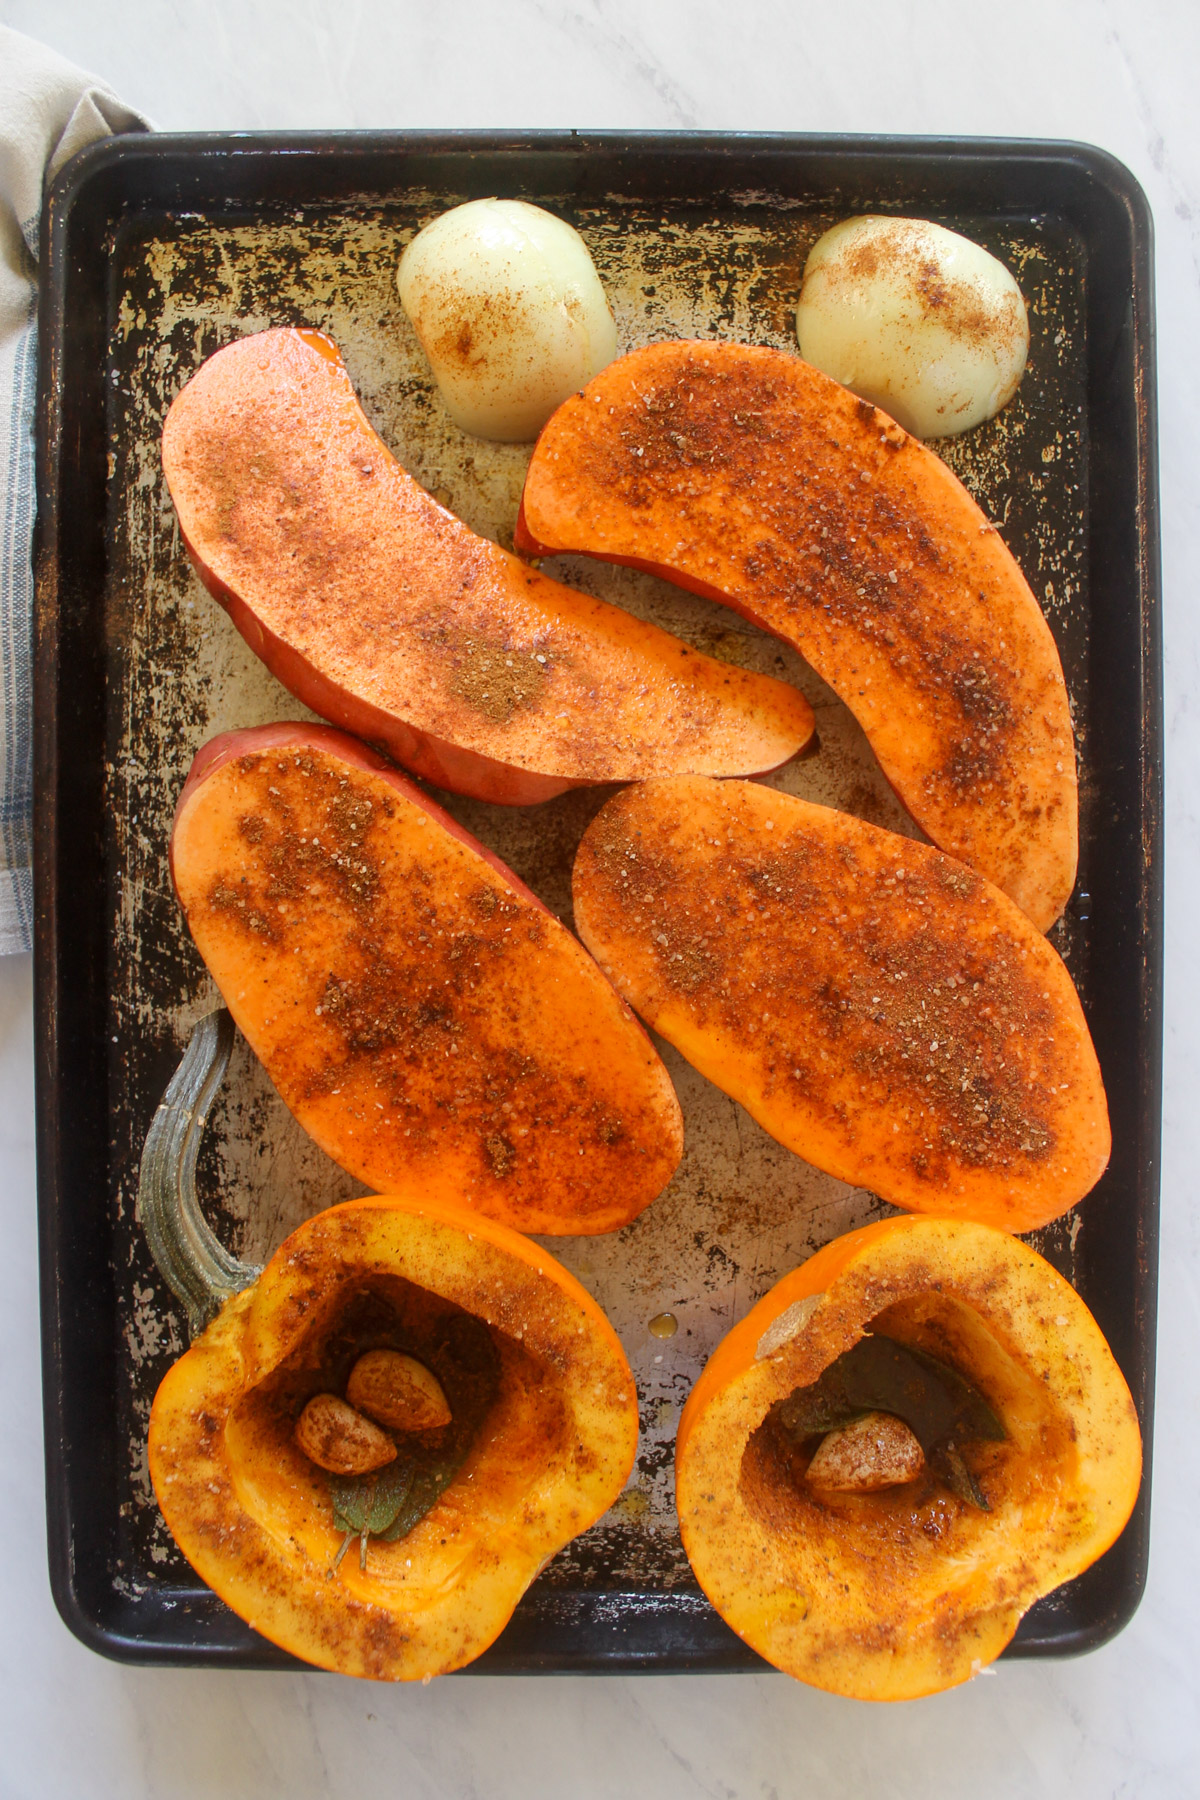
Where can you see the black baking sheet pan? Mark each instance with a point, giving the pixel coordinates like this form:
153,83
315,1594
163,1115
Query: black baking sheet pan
157,249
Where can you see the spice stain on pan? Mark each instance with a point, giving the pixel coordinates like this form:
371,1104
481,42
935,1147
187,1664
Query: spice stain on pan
741,1210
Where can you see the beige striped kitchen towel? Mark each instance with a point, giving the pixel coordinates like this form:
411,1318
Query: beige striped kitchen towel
48,110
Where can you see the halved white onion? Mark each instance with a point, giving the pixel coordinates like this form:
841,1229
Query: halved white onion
918,320
510,312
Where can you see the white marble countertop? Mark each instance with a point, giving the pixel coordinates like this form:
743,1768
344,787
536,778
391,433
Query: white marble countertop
1123,1721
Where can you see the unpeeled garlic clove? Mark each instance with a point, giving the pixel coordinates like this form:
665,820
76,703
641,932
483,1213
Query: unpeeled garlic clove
397,1391
340,1440
875,1451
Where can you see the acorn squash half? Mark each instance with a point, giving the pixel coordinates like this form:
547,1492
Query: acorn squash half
551,1451
910,1589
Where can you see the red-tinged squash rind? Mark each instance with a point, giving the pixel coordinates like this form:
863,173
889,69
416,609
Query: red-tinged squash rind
384,613
417,1008
253,1516
879,1008
907,1591
745,474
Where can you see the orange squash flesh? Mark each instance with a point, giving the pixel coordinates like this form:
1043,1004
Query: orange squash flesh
384,613
254,1517
879,1008
417,1008
906,1591
746,475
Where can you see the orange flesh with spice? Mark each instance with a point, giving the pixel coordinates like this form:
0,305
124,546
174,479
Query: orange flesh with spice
272,1476
385,614
746,475
255,1518
879,1008
416,1007
906,1591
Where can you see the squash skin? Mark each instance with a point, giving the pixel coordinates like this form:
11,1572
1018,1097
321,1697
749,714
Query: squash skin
389,617
743,474
415,1005
878,1008
552,1456
884,1599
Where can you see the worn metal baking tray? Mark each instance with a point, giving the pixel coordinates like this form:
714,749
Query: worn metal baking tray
156,251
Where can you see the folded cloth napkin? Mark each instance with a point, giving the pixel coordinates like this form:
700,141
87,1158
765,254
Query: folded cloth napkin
48,110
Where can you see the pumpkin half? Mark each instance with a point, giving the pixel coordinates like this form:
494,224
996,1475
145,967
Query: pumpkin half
907,1590
254,1515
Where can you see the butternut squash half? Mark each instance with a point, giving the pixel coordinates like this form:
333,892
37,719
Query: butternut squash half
384,613
880,1009
416,1006
551,1441
746,475
908,1589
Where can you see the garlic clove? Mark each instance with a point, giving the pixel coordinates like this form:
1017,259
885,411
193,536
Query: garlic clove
340,1440
398,1391
874,1451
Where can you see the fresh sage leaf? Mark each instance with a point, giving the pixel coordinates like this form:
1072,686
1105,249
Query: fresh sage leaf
975,1418
812,1409
947,1460
427,1488
370,1503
